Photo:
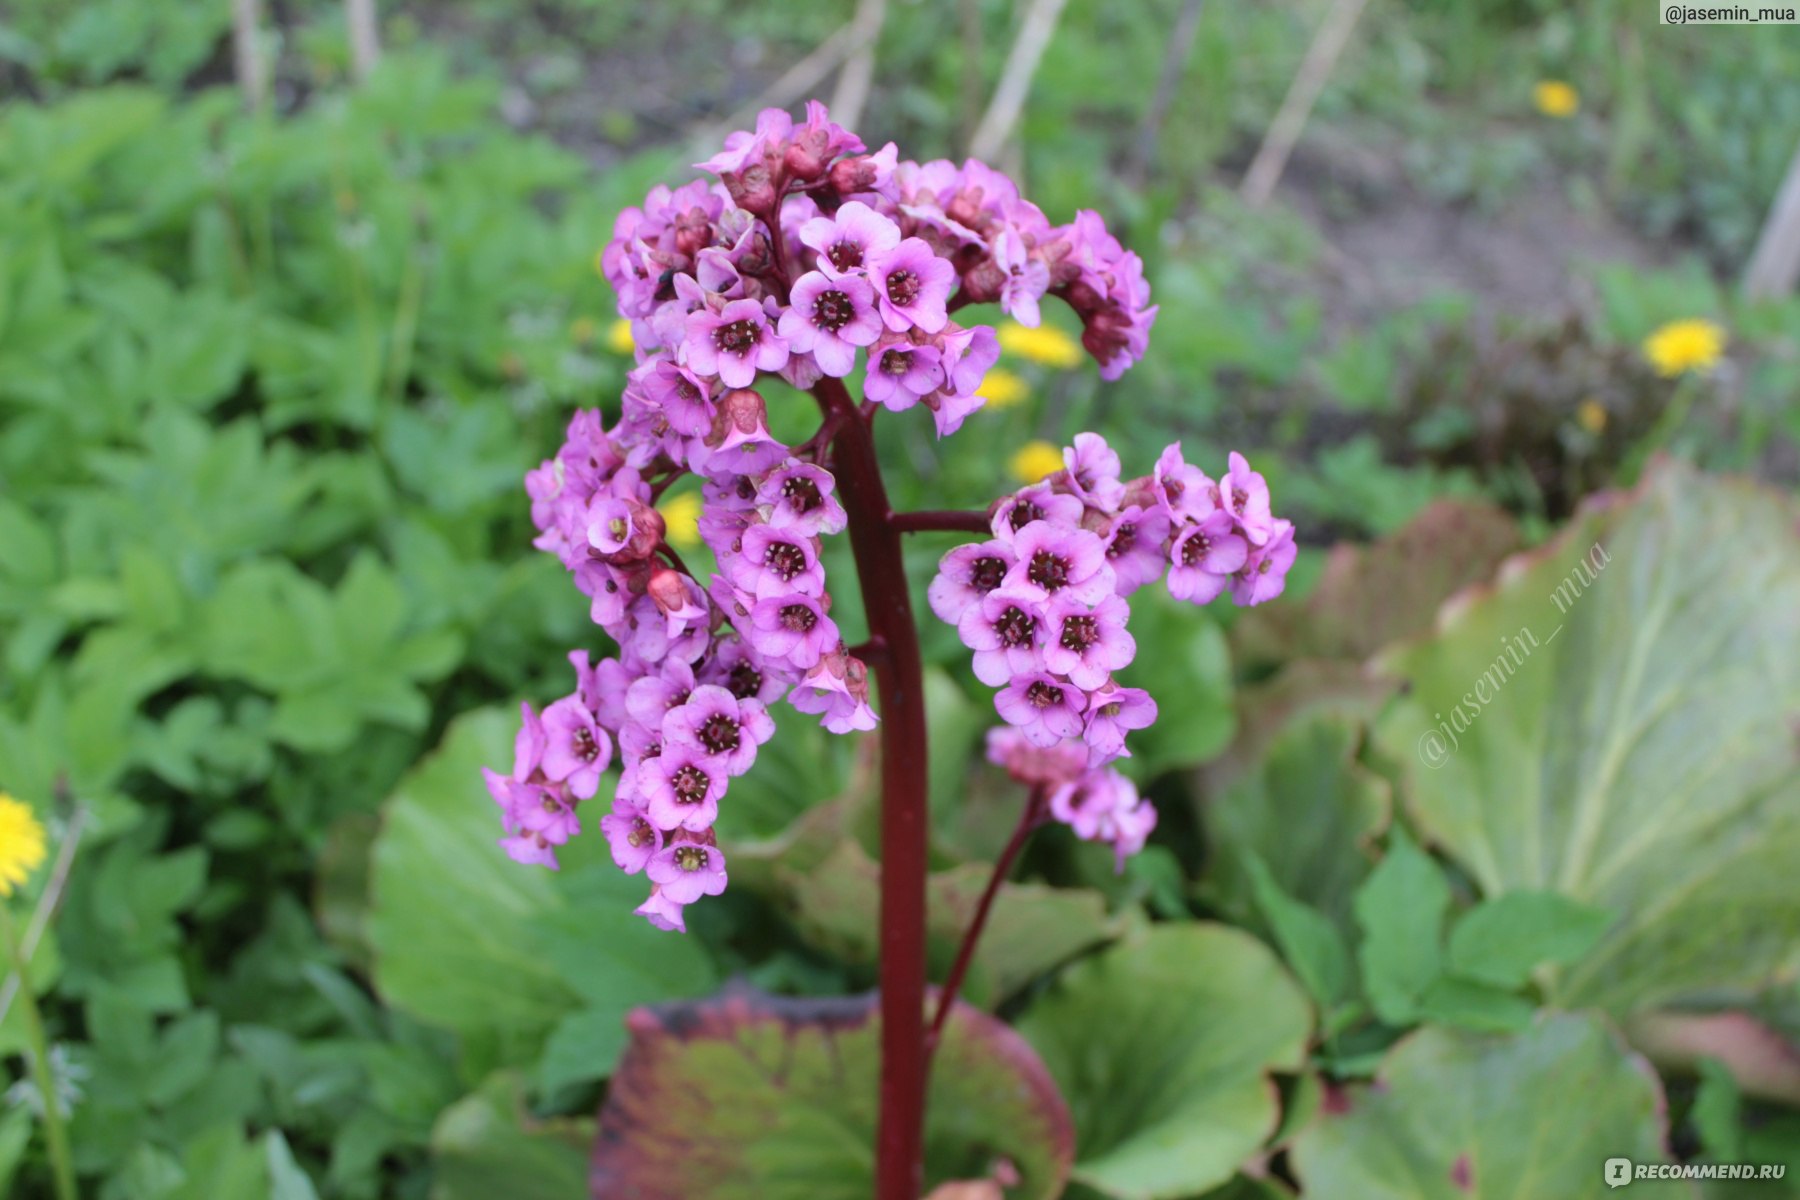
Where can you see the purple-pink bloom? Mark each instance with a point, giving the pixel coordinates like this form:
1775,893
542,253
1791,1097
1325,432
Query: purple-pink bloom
1033,764
830,319
965,575
798,496
723,728
913,286
1042,707
630,835
1005,628
734,343
682,397
1113,712
1135,547
1093,470
1203,557
1087,644
837,691
1264,574
900,371
663,912
1245,494
1061,560
686,871
847,241
792,629
576,749
1184,492
681,788
776,561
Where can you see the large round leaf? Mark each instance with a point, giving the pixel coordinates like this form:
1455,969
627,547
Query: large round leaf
754,1097
1164,1044
1615,719
1463,1116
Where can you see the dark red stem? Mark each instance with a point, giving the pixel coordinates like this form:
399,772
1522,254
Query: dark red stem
1029,820
957,520
900,1138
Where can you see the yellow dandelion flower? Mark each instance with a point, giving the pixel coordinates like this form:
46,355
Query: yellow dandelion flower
1003,389
1554,98
581,330
21,844
1035,460
681,520
1590,414
1046,344
618,337
1680,347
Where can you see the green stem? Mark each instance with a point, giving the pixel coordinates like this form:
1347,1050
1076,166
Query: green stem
55,1135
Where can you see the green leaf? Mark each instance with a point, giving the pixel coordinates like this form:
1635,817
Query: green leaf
489,1145
1163,1044
1501,941
1311,944
1473,1005
1613,721
1463,1116
286,1180
784,1093
1401,912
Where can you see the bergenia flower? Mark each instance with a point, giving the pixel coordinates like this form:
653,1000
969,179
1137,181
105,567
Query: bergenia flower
721,727
686,871
733,343
1203,557
831,319
1264,573
913,285
847,241
1042,707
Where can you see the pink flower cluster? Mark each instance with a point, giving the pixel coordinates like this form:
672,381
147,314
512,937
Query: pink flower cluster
1043,606
807,256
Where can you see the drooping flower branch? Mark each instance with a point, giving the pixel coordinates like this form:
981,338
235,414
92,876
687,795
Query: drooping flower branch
816,262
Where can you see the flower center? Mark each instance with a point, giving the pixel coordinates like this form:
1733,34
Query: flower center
736,338
1049,571
744,681
1195,548
1078,633
797,618
1024,513
1124,538
586,748
832,311
986,573
719,733
896,362
802,493
641,834
1239,498
690,784
1043,695
1015,627
845,255
690,858
785,559
903,287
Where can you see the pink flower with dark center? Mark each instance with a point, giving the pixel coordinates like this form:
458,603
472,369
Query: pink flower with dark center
738,669
686,871
1087,644
734,343
1061,560
681,788
1204,555
1113,712
965,575
630,835
1042,707
900,371
776,561
798,496
913,285
1104,806
683,397
1184,492
721,727
847,241
1093,470
830,319
1006,629
576,750
665,686
1245,494
1264,574
1039,502
1135,547
792,629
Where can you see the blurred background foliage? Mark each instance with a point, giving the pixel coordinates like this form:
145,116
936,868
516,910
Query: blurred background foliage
269,382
